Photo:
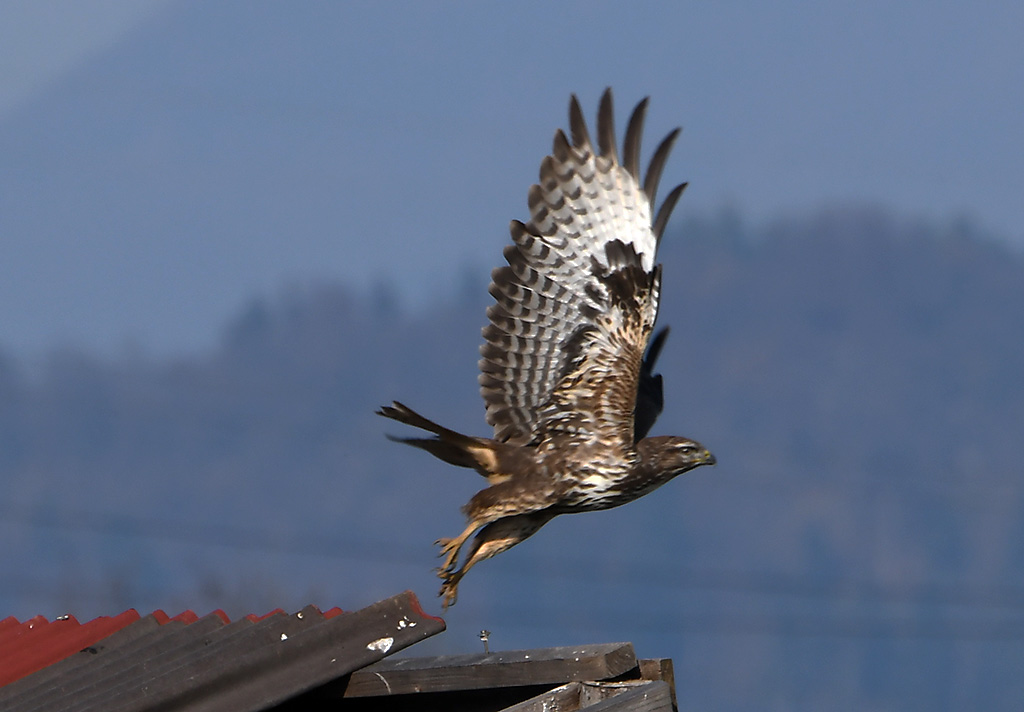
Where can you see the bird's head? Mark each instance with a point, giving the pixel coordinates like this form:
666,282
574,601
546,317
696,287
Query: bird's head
671,456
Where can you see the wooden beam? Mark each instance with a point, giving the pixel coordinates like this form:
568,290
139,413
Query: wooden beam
643,695
660,669
517,668
566,698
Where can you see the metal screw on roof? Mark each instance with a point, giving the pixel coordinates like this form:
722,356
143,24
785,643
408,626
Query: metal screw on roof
485,635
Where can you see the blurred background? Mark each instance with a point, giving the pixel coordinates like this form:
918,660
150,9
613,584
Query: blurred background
230,230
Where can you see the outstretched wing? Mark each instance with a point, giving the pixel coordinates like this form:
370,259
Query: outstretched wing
650,398
576,304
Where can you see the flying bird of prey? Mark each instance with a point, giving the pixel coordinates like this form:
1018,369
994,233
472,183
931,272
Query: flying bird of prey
563,374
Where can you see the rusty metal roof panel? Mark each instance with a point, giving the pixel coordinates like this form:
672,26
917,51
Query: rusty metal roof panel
67,667
209,663
37,643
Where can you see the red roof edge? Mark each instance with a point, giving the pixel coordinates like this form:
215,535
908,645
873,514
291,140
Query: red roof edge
222,615
186,616
252,617
50,643
415,603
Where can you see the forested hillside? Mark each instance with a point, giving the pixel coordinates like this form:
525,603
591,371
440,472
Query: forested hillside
858,376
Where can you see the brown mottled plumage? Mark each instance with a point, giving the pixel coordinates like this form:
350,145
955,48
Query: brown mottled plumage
563,374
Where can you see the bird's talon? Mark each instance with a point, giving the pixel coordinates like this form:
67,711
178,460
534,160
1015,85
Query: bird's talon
449,550
449,593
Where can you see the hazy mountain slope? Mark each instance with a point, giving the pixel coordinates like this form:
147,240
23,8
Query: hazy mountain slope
858,377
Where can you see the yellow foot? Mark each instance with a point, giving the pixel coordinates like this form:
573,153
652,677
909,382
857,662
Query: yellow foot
449,590
450,550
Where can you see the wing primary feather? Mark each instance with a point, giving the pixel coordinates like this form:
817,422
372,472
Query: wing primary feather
631,144
650,396
517,229
665,211
606,126
654,349
657,165
577,124
534,199
560,149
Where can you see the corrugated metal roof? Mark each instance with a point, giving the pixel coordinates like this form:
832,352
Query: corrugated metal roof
309,660
128,662
36,643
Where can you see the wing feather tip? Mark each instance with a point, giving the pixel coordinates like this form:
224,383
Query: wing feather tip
606,126
665,211
657,164
578,124
634,134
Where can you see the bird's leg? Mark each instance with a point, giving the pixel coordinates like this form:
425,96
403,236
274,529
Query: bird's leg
449,587
450,549
493,539
481,550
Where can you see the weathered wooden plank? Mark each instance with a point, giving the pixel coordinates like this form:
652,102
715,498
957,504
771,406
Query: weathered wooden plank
542,666
483,700
565,698
660,669
644,695
657,669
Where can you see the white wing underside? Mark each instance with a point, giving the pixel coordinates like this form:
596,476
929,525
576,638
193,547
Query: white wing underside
577,302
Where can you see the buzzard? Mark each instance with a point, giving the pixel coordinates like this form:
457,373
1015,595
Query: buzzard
563,374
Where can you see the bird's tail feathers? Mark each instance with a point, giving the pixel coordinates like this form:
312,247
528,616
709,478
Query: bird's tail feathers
452,454
404,414
448,445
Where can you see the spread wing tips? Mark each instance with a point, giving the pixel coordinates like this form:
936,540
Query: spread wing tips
577,124
665,212
560,148
631,144
606,126
654,348
581,284
657,165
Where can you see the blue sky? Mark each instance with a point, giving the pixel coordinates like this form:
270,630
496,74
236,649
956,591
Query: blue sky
166,161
